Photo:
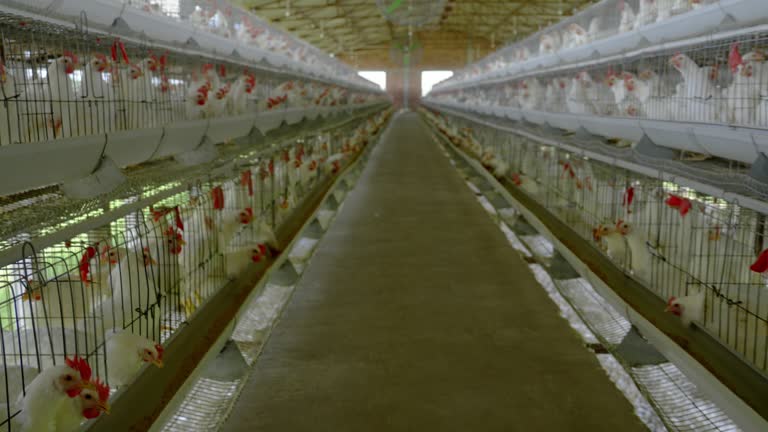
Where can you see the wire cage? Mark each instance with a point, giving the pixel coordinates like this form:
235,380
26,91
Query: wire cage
723,81
223,19
678,242
63,83
628,19
146,273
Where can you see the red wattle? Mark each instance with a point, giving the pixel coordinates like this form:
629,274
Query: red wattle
85,263
177,217
91,413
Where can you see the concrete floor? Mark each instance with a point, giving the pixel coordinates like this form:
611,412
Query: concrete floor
416,314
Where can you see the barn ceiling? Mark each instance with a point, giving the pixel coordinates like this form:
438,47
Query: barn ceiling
355,26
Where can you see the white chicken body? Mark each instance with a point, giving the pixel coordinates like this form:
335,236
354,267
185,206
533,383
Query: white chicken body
98,96
124,356
45,396
134,285
628,18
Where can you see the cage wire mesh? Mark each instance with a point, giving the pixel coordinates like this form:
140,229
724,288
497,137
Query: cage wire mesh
720,80
707,247
147,272
663,398
219,386
731,176
63,83
596,23
206,18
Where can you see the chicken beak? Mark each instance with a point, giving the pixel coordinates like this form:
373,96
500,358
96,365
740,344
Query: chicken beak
668,308
104,407
158,363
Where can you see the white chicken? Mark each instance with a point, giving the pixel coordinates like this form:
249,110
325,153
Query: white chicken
640,258
646,13
219,24
614,243
531,94
98,97
743,95
666,8
527,184
696,95
236,261
135,289
48,392
230,221
137,91
497,166
242,90
628,17
199,18
66,300
58,96
615,83
127,353
688,308
89,404
576,98
595,29
196,100
549,43
522,54
577,36
216,105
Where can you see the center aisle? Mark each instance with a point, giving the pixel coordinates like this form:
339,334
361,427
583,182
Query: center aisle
415,314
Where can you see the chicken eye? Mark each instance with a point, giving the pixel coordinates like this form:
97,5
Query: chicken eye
89,397
68,377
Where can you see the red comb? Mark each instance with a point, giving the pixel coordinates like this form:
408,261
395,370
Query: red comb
102,389
218,198
629,196
81,365
246,179
683,205
159,348
177,218
85,263
761,264
734,57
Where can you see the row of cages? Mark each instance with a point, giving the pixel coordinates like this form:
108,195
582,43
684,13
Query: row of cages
113,295
715,82
218,17
677,242
58,83
618,18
